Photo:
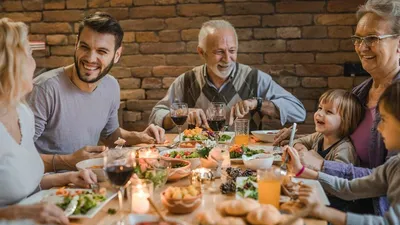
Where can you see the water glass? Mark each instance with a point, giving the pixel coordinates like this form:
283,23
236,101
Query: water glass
242,131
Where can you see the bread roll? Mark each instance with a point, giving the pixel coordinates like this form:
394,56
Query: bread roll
241,207
285,217
265,215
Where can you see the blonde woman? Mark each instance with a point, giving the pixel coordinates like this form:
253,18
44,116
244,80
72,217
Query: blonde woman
21,168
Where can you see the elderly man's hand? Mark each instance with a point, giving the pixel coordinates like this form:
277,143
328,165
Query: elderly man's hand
197,117
152,134
242,108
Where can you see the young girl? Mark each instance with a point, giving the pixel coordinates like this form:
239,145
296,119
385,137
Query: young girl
384,180
339,112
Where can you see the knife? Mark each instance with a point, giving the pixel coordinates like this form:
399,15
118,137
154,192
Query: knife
71,206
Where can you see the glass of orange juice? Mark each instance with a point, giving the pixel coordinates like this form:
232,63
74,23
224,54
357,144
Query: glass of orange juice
269,186
242,131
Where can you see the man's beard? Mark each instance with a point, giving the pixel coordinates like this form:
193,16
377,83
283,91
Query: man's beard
99,77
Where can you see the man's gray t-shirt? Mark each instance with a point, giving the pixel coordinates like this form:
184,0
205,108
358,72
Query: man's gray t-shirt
66,118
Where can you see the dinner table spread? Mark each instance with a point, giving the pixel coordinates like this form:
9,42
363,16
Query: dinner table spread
208,202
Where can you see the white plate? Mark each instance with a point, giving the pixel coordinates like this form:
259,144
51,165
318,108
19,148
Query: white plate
134,219
265,135
230,133
50,196
315,183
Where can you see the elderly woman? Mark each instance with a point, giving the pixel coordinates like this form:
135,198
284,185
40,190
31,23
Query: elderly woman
376,42
21,168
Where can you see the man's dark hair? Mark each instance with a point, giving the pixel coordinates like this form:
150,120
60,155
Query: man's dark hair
103,23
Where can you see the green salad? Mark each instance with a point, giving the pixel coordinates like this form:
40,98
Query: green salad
87,201
182,154
224,138
158,175
248,188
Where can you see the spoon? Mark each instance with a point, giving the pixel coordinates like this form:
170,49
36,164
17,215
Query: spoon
157,210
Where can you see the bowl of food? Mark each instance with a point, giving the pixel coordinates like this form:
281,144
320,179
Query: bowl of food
190,155
154,169
265,135
96,165
258,161
179,169
181,200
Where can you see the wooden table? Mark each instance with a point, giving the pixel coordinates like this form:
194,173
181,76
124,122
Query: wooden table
209,201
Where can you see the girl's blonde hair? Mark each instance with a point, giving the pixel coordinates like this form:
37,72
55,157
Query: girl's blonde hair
349,107
13,55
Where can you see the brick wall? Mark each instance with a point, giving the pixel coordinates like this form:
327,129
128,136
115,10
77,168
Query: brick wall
302,44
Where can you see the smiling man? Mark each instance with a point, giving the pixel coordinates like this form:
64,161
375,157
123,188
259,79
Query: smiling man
77,105
245,91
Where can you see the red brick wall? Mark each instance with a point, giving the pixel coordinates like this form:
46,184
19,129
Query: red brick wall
302,44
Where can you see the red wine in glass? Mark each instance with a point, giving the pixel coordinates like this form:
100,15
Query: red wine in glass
119,175
217,123
179,120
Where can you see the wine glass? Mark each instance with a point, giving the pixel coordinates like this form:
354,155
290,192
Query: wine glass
216,116
118,164
179,113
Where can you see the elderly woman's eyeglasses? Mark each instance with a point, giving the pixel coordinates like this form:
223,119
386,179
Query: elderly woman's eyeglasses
371,40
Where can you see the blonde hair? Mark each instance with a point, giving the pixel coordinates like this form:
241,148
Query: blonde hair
209,27
13,54
387,9
349,107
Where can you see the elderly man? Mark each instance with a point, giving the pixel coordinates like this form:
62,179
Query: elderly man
77,105
244,90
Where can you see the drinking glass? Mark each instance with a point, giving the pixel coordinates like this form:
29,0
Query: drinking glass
242,131
269,186
118,164
179,113
216,116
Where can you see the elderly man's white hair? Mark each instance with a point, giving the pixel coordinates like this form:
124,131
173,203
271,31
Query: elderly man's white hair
210,27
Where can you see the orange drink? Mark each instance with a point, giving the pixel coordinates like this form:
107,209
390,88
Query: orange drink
269,186
242,139
269,192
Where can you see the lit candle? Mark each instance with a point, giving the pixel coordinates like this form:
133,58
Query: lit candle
201,177
140,204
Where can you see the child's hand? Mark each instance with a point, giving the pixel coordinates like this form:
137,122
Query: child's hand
294,159
300,147
308,195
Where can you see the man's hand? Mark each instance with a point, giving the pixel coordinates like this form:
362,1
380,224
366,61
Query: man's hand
152,134
282,135
84,153
242,108
197,117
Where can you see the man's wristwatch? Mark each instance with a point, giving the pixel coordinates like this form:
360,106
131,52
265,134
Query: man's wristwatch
259,104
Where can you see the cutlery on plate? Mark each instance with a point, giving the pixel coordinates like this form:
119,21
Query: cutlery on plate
284,164
71,206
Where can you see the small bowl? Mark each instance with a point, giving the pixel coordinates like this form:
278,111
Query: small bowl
258,161
194,162
180,172
181,206
96,165
265,135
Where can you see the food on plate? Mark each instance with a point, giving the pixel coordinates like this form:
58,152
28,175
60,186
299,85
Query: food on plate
238,207
198,134
182,154
153,169
264,215
236,151
247,188
181,192
231,173
188,144
95,167
87,199
178,165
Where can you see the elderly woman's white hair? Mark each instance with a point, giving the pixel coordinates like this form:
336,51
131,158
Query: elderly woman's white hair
13,54
387,9
210,27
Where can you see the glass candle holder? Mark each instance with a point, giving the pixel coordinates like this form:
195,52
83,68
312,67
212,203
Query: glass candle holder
140,190
148,153
201,178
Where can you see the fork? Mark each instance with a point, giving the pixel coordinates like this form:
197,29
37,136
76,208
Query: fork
284,164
